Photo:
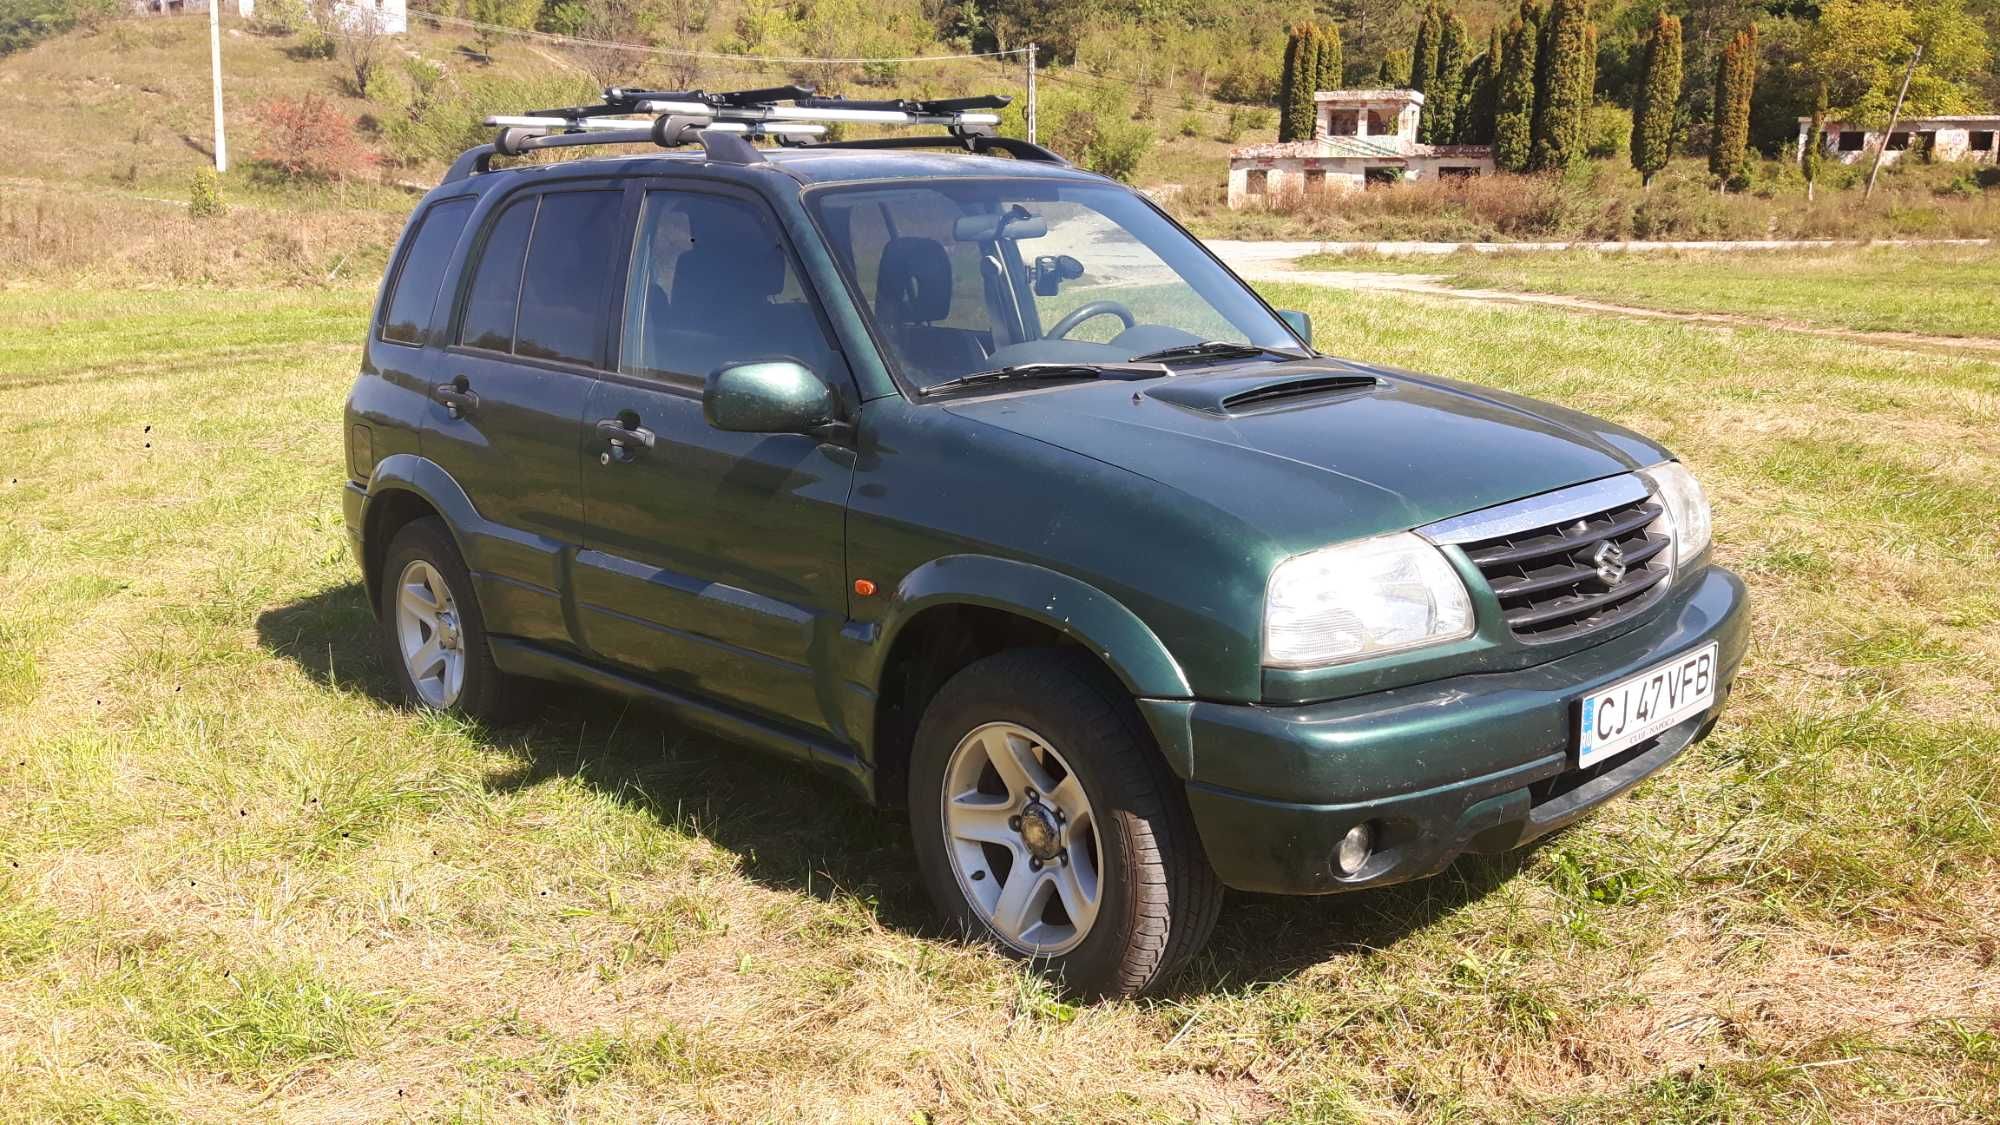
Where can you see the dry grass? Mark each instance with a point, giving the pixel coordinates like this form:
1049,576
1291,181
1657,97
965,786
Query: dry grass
239,883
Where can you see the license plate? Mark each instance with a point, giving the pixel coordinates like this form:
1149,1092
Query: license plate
1635,709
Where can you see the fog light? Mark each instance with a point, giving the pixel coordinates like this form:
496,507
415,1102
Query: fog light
1355,848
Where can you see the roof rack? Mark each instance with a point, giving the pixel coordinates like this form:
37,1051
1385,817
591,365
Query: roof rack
724,123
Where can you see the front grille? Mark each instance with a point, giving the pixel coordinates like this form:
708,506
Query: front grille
1561,580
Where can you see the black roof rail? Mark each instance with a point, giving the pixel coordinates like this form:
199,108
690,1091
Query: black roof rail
976,143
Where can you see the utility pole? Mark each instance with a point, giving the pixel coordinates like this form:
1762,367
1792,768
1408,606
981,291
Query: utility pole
1893,115
215,73
1031,93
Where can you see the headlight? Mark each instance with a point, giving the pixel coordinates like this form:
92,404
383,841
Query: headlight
1686,505
1360,600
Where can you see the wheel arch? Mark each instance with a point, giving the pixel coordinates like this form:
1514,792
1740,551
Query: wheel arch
405,488
956,610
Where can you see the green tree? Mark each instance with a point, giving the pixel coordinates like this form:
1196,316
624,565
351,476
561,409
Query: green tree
1440,120
1728,151
1659,93
1424,56
1812,153
1513,132
1860,48
1288,85
1394,73
1332,66
1558,127
1479,100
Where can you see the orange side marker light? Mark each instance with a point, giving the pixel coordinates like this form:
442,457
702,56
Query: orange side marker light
864,587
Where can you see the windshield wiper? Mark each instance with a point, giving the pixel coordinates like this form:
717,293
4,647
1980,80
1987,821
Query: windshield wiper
1021,371
1214,349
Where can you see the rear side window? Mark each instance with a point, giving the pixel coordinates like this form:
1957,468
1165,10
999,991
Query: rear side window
496,286
408,314
563,293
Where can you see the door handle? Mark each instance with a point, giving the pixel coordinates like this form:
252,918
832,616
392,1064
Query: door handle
625,436
457,396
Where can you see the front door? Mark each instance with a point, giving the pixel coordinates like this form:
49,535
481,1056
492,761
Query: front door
714,562
508,408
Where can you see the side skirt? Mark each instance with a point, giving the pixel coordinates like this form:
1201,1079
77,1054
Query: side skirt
525,658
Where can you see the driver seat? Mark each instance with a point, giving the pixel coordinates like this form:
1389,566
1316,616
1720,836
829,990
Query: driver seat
913,291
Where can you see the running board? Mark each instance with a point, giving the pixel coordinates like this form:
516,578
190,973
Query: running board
524,658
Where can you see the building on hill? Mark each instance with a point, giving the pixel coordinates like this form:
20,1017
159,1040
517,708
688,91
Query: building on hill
389,17
1361,138
1973,137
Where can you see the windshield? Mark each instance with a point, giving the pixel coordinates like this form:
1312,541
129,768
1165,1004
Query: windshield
969,276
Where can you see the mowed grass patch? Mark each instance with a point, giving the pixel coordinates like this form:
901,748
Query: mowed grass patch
1934,290
242,882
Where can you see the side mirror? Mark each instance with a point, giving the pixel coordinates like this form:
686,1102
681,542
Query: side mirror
1299,322
1051,270
771,397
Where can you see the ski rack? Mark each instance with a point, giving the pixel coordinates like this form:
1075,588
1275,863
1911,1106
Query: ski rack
724,123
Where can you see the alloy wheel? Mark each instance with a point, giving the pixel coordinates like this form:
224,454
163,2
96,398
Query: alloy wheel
428,635
1023,839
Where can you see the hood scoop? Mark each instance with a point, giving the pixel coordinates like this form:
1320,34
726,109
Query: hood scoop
1232,396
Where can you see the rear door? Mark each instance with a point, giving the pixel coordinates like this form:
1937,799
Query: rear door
714,561
506,416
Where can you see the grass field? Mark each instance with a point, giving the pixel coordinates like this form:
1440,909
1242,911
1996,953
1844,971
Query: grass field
239,883
1939,290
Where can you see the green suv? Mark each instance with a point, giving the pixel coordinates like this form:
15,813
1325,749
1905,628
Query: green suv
972,479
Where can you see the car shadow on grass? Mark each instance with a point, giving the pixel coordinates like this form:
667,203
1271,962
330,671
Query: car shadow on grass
800,831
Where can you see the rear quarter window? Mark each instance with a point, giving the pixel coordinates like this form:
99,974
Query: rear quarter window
406,317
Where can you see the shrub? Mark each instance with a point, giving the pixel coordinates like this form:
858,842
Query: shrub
205,194
1607,131
309,138
448,122
1190,125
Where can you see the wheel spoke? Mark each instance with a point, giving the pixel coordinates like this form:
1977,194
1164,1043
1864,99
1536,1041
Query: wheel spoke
1068,796
982,818
1076,882
427,659
1021,902
1013,757
419,602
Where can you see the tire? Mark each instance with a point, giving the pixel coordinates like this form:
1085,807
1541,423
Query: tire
423,555
1156,898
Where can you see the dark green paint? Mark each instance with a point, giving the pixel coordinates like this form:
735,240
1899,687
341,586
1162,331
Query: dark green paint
713,569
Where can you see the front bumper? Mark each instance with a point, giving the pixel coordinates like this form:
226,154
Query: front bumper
1481,762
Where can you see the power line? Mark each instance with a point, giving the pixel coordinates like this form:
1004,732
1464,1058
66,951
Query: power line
719,56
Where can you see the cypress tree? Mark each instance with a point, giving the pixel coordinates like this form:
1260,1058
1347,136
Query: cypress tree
1332,65
1513,134
1485,100
1558,128
1394,73
1447,84
1303,109
1288,84
1659,92
1424,58
1813,152
1735,76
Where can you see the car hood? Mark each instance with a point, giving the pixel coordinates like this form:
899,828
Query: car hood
1323,450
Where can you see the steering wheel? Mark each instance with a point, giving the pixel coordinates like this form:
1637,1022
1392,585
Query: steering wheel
1084,312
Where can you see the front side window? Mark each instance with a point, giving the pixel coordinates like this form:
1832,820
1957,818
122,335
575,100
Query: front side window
710,285
965,276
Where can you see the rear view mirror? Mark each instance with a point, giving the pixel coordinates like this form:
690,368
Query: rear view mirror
1299,322
1051,270
773,397
1011,224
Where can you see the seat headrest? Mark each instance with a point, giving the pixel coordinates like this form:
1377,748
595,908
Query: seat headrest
718,269
913,283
